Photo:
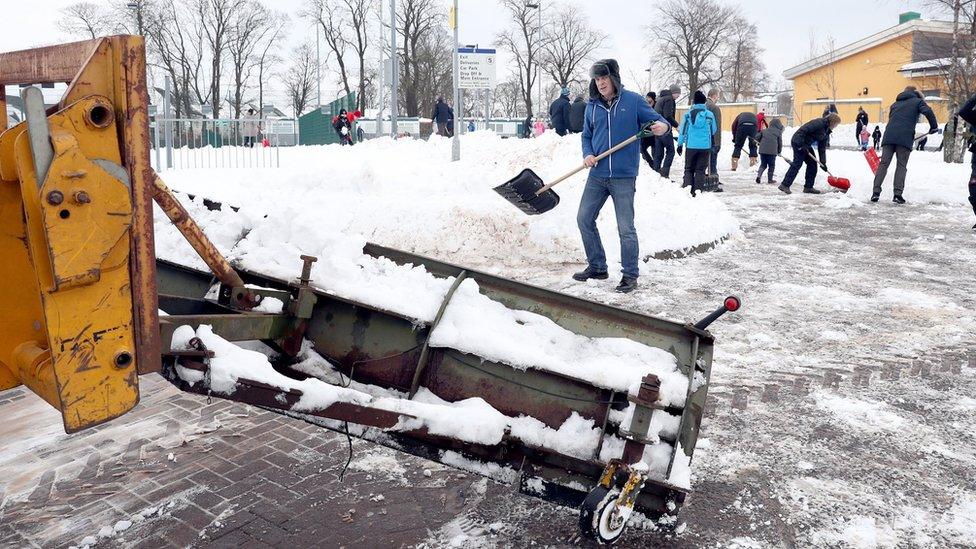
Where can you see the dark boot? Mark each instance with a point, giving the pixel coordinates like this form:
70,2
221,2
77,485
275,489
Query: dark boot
785,189
811,190
875,197
897,199
589,273
627,285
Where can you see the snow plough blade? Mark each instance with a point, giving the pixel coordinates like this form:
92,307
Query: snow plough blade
385,350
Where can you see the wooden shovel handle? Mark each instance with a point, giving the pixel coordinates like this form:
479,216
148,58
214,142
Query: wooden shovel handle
582,167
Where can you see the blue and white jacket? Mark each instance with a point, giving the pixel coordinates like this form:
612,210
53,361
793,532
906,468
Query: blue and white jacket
605,127
697,128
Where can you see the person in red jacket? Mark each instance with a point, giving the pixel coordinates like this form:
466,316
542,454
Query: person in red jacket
761,122
342,123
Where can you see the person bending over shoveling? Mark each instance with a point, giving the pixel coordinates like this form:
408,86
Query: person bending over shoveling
612,115
816,132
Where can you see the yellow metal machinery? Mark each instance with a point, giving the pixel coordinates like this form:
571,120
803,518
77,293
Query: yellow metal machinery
78,313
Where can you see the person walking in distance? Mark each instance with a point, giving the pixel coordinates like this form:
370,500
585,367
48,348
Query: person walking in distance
559,112
696,129
648,141
876,138
815,133
612,116
861,122
899,137
442,114
576,112
252,126
664,146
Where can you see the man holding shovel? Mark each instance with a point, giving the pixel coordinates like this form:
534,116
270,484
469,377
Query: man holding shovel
899,139
612,115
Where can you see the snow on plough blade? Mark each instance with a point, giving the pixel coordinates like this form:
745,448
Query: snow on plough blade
553,433
579,403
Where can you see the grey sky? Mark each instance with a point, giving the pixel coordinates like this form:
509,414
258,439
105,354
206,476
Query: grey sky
784,27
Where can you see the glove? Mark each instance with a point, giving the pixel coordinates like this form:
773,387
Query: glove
680,149
823,166
933,130
344,130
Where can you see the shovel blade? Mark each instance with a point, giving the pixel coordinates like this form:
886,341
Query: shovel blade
841,183
521,192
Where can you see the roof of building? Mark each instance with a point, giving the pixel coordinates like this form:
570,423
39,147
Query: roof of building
922,69
891,33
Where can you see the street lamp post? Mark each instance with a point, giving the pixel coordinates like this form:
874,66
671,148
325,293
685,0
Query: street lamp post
455,140
538,8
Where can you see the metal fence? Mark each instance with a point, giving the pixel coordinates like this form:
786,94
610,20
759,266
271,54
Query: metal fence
187,143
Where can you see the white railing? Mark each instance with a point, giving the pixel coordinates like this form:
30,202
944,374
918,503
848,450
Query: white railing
188,143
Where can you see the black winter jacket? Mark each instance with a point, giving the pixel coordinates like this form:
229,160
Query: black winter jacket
577,112
902,118
968,113
442,113
665,107
744,120
559,113
815,131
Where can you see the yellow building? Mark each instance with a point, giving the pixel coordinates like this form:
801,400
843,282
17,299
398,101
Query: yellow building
871,72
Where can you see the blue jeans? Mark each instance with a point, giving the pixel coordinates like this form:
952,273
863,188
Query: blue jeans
713,161
595,195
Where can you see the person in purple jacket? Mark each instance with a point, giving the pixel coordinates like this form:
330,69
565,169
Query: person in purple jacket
612,115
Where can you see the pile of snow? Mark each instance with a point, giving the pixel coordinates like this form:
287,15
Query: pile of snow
408,194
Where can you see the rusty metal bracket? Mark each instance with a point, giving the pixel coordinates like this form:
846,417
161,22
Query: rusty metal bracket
254,392
424,351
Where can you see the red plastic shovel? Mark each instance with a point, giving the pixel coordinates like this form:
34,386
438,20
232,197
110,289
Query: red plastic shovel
871,156
840,183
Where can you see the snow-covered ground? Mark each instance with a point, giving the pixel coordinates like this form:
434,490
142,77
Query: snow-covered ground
842,403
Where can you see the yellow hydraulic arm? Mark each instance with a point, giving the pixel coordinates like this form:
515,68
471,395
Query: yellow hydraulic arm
78,304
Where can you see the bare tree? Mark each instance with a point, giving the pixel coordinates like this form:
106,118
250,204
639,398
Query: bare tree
358,12
433,67
268,57
569,42
176,50
416,21
131,16
215,21
525,39
249,32
85,19
957,69
299,78
692,37
824,79
744,70
507,99
330,16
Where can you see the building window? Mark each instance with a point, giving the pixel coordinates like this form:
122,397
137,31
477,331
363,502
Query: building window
931,93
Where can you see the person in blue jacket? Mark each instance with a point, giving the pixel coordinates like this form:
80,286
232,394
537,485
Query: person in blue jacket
697,128
612,116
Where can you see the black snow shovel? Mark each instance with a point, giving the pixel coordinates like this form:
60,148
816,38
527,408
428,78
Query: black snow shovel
527,192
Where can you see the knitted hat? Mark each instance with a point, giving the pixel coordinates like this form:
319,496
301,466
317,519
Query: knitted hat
675,89
699,98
